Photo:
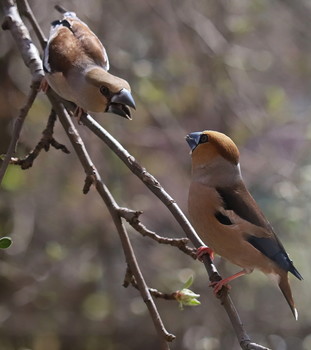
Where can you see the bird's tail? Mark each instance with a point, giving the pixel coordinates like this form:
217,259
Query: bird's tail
285,288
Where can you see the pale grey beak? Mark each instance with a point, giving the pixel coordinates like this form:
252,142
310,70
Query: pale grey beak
120,103
193,139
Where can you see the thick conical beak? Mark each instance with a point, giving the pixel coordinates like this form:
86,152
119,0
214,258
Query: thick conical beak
193,139
124,97
120,103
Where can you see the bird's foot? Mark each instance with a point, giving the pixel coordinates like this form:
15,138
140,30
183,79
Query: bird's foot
224,282
205,250
44,85
217,286
78,113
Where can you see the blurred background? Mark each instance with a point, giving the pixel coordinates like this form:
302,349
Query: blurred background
240,67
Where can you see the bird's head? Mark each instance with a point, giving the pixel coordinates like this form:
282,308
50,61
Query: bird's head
208,145
115,91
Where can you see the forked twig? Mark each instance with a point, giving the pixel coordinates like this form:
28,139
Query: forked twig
130,279
132,217
45,142
18,124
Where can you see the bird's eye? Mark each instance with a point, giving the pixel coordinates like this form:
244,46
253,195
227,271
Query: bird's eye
203,138
105,91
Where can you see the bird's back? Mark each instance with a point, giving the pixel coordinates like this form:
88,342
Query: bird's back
72,41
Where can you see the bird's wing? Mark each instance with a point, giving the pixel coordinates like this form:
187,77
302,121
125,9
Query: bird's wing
240,207
71,40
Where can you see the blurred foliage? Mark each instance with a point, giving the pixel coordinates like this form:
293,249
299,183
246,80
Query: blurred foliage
240,67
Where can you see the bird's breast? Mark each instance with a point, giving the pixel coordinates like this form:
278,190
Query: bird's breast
227,241
203,204
76,89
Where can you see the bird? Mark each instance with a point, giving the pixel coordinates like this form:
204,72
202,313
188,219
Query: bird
76,67
227,217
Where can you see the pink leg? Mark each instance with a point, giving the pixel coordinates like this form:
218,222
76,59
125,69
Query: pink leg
78,113
44,86
205,250
218,285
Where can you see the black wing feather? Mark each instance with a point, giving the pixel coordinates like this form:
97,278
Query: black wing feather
273,251
246,208
223,219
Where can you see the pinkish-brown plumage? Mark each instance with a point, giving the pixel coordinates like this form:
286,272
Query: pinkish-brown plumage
227,217
76,66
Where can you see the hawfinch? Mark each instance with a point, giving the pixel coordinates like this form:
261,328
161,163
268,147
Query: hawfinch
76,66
226,216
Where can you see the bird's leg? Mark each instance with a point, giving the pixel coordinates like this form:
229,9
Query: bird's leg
44,86
219,284
78,113
205,250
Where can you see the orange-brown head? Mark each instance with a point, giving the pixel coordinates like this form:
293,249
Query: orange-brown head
207,145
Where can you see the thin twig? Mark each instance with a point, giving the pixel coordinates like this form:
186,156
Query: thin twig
45,142
18,124
132,217
130,279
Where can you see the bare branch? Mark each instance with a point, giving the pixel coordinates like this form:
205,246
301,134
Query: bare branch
130,279
153,184
12,21
31,58
25,9
18,124
149,180
45,142
113,208
132,217
88,182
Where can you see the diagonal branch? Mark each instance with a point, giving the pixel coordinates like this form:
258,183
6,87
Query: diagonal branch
153,184
113,208
30,55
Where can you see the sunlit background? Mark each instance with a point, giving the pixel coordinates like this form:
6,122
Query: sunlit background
240,67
